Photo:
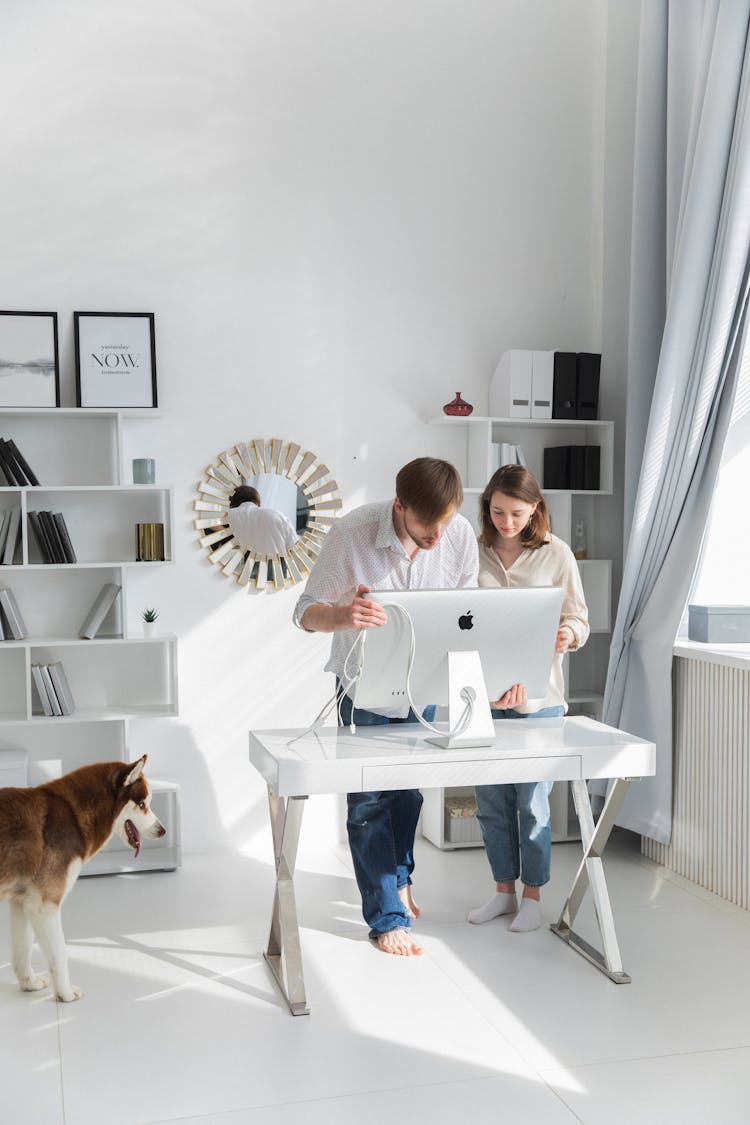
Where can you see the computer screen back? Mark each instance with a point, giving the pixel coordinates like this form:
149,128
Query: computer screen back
513,630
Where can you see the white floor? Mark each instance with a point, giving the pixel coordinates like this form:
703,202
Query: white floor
181,1020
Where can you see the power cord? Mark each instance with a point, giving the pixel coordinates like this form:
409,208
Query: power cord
352,676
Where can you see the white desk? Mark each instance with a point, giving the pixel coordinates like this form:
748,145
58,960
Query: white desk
397,757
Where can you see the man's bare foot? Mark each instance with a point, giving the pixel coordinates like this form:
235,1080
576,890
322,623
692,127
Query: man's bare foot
400,942
404,893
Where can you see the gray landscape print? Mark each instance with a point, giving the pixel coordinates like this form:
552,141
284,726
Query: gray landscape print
27,360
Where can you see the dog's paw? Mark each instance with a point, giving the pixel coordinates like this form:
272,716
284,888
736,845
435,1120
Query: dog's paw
34,983
75,993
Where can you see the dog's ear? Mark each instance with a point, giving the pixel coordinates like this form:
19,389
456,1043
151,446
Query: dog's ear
136,771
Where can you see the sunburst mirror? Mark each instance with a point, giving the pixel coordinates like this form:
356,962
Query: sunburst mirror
269,534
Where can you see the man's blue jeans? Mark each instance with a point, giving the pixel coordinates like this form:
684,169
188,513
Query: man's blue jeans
504,809
381,826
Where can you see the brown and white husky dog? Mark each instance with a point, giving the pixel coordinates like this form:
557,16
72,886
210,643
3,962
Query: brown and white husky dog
46,835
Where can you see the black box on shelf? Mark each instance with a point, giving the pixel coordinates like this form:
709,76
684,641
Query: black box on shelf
564,385
557,466
575,467
591,467
588,366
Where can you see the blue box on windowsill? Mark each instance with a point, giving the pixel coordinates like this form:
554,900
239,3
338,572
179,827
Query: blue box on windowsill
719,624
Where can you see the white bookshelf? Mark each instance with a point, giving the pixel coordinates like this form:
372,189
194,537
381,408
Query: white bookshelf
585,671
119,677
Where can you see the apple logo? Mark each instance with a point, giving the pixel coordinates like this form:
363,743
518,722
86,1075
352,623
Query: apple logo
465,622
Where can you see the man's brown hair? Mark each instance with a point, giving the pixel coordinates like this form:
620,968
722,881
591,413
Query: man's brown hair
245,494
430,488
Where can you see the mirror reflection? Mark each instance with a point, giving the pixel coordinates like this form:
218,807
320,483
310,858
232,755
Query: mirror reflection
267,514
263,510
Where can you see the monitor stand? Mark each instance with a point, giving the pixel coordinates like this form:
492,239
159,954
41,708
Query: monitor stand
466,682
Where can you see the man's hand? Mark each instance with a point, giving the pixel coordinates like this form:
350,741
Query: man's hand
360,614
363,613
514,697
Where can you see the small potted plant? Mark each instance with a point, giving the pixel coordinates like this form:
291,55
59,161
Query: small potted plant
149,621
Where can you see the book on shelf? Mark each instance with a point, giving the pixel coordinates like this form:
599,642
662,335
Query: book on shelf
105,599
14,465
53,537
505,453
2,628
41,689
40,534
12,536
4,521
12,614
22,463
49,687
7,465
64,536
61,687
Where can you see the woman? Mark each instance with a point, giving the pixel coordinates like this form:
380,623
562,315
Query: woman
517,548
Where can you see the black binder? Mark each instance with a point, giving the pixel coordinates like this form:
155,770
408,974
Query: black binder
564,382
557,466
591,463
577,468
587,385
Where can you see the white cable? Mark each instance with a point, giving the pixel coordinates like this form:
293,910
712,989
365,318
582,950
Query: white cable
465,717
336,699
349,679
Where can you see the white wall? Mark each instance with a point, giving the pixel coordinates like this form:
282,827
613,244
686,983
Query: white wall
341,214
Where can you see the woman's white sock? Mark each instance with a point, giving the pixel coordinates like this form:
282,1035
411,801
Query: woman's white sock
500,903
529,917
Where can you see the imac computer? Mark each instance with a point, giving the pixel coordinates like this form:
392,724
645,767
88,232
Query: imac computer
462,648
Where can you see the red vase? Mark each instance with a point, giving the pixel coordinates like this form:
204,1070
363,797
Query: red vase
458,408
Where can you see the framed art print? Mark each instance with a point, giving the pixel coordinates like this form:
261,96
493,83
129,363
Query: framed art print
29,363
115,359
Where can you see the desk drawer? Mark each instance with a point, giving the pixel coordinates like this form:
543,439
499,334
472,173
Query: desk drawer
432,775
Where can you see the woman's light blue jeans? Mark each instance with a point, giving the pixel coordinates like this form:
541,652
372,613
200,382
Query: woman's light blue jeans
515,821
381,827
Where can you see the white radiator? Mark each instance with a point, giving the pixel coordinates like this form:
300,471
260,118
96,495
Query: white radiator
711,796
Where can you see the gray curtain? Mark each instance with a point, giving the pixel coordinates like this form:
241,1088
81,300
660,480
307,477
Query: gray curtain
690,285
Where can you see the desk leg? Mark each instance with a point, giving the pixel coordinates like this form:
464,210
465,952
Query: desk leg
591,874
284,952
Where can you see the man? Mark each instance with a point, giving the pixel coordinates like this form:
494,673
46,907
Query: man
263,530
418,540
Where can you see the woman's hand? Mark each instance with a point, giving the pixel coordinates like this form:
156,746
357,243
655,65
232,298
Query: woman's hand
514,697
565,638
363,613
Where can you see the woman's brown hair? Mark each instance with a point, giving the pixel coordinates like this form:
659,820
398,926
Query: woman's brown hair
518,482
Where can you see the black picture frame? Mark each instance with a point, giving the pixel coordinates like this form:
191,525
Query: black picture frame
115,360
29,360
